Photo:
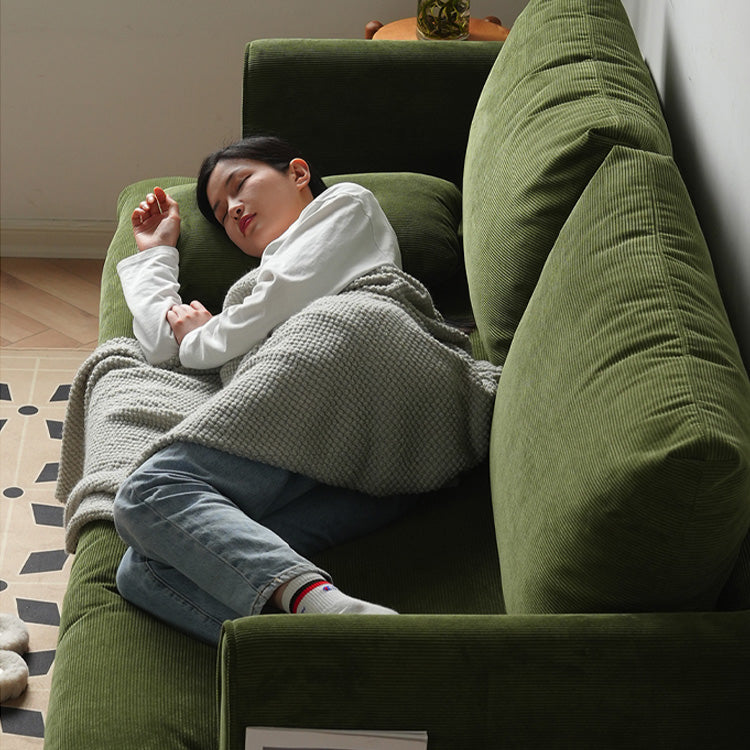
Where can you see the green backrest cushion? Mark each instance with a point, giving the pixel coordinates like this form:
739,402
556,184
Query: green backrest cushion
620,453
425,212
367,106
569,83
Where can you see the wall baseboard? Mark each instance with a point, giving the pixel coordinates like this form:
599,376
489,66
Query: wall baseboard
55,238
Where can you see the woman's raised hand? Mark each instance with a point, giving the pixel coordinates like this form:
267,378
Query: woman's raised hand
156,221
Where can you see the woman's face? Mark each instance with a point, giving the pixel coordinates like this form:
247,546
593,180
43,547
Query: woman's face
256,203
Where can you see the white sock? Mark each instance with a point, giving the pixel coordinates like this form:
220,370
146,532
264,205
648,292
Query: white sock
311,594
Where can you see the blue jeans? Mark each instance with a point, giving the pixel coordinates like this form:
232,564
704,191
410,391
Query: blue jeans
211,536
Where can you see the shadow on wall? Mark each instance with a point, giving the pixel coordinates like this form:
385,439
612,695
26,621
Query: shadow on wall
695,166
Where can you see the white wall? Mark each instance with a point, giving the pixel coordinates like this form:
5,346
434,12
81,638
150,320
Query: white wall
699,56
96,94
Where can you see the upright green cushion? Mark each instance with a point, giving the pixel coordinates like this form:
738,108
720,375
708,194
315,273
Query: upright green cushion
568,84
620,455
352,105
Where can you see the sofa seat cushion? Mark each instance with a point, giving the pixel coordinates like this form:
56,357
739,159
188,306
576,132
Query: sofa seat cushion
425,212
621,435
569,83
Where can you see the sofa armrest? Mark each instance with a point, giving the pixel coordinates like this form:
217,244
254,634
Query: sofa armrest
368,106
479,681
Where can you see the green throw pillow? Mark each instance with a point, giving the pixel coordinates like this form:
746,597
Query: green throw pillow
620,454
424,211
569,83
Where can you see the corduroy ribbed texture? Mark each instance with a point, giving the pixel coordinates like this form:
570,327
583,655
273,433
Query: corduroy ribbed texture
123,680
352,105
569,83
483,682
621,437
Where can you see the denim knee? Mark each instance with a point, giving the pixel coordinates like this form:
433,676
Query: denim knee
122,580
128,506
130,582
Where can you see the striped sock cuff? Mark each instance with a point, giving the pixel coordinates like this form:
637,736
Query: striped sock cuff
294,590
303,591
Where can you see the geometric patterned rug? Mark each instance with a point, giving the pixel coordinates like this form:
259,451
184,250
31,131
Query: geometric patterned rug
34,568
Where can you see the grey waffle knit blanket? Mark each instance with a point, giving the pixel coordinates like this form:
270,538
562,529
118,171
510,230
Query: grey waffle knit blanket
368,389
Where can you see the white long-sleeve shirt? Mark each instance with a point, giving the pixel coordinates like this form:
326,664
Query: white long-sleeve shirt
340,235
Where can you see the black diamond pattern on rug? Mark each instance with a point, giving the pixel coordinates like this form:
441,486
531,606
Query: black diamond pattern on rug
62,393
21,721
43,613
33,567
39,662
48,515
43,562
48,473
54,429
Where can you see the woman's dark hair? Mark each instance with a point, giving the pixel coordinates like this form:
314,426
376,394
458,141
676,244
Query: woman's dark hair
269,149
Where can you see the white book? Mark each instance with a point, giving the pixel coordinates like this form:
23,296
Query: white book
268,738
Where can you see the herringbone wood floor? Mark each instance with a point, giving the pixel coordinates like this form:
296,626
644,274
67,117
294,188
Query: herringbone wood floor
49,303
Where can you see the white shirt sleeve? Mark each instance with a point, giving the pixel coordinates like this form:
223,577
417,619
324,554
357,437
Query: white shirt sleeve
342,234
150,285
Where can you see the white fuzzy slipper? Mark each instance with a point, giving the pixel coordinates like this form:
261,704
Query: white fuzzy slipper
14,674
13,634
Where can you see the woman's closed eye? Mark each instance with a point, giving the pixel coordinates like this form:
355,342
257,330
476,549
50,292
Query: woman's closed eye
221,210
235,192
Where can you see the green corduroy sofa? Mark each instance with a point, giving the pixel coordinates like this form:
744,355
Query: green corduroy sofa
589,586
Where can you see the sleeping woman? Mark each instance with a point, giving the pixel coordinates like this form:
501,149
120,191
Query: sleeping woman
213,535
